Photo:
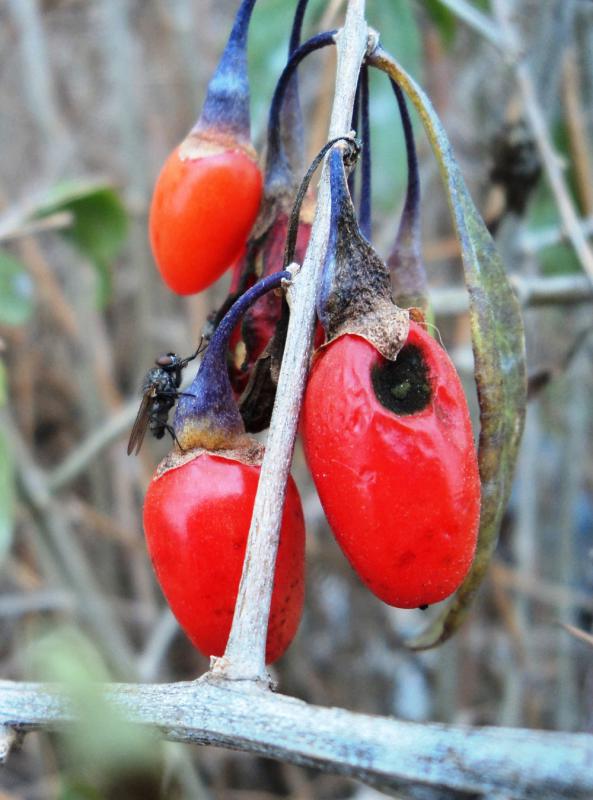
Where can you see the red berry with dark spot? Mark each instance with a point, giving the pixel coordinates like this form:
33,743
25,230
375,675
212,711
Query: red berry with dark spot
391,451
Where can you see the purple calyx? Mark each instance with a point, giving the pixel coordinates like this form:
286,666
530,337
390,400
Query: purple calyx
207,414
226,107
354,296
353,277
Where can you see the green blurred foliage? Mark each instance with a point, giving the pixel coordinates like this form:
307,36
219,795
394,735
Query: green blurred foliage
558,259
99,225
16,291
78,790
102,747
444,20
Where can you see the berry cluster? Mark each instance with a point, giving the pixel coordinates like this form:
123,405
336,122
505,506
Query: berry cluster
385,427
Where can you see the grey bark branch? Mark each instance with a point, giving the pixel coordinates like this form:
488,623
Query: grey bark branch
531,292
517,764
244,658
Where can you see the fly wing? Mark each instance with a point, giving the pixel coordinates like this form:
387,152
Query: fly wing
140,423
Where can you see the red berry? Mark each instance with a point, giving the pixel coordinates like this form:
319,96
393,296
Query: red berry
391,451
196,520
204,205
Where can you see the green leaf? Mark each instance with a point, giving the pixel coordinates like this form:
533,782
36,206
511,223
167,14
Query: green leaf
16,291
7,495
78,790
443,18
499,355
99,226
101,738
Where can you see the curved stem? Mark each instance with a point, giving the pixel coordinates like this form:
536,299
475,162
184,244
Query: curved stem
277,167
226,107
411,212
297,26
292,117
364,217
208,411
293,226
408,276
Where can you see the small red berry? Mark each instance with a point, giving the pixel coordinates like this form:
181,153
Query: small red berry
204,205
196,521
199,504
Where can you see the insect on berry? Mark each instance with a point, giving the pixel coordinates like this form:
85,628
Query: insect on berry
208,192
386,429
199,505
160,391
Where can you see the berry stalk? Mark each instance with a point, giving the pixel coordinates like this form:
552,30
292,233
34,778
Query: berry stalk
278,172
408,275
365,166
207,415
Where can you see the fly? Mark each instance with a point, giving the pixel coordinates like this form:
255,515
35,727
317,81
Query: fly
160,390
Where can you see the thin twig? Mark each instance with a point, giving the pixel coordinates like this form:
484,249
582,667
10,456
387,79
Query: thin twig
583,636
477,20
93,603
550,158
244,656
577,130
53,222
533,241
531,292
87,451
163,632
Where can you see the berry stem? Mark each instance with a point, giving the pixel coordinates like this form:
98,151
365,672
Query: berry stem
226,107
207,414
292,117
297,26
408,276
278,172
293,226
365,166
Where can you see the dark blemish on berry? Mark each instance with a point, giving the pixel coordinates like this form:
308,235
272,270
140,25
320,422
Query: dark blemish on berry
403,385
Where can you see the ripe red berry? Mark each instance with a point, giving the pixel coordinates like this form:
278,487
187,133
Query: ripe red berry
391,451
199,504
196,521
204,204
208,193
